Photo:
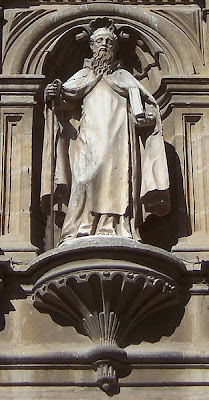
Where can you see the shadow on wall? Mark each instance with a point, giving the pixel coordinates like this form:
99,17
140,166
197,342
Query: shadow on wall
38,219
164,232
162,323
5,307
11,291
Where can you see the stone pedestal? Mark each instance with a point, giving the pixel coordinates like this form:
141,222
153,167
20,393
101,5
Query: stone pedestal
106,286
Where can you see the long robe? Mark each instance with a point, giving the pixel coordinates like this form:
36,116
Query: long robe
102,169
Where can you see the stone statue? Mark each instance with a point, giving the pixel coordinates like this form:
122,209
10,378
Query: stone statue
112,165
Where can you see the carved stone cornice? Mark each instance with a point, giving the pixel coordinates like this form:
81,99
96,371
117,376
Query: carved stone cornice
15,88
184,91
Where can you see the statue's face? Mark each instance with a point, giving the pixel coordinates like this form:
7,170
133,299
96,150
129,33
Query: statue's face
103,40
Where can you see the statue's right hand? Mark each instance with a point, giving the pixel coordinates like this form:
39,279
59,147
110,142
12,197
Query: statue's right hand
52,90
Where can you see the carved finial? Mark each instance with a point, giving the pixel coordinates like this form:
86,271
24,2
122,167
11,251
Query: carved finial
124,35
82,36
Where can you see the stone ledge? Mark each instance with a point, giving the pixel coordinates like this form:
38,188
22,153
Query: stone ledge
8,3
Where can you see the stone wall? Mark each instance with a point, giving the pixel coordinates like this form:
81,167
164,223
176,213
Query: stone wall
168,51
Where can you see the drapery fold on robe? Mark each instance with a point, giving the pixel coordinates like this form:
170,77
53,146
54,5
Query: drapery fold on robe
94,159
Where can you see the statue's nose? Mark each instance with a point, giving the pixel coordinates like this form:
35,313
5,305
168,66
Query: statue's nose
104,42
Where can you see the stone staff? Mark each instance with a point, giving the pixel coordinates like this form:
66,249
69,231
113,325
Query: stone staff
57,87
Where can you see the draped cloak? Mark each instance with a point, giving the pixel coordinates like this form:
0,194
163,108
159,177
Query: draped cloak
108,168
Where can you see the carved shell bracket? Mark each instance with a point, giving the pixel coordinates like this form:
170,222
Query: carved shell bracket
105,287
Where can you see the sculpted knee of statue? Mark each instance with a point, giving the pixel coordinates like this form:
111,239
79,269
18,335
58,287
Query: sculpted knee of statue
110,163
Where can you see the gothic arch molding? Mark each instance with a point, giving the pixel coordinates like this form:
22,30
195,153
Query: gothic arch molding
42,31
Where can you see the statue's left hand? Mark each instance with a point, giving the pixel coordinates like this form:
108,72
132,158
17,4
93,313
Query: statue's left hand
147,121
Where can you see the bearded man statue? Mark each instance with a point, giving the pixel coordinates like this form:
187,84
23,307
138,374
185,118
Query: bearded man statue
112,164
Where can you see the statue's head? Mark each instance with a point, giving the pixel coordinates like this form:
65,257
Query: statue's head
104,44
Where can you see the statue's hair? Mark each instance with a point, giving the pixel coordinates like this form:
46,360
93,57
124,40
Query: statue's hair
103,23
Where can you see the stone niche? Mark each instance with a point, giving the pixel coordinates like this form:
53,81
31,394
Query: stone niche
164,47
134,313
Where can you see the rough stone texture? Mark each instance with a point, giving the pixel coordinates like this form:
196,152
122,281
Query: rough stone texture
87,393
169,53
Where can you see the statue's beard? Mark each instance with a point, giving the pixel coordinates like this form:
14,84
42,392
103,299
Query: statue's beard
102,61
